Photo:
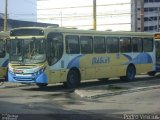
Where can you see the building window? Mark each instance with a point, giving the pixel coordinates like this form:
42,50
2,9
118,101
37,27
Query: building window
151,0
151,9
145,28
155,27
145,1
138,18
151,27
139,28
138,8
150,18
145,9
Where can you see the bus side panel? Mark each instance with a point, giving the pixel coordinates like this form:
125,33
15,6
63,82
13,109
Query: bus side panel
93,66
59,71
103,72
118,65
83,73
143,68
55,76
85,64
104,65
3,72
143,62
63,75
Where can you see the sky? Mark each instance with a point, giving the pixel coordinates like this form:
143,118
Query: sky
20,9
111,14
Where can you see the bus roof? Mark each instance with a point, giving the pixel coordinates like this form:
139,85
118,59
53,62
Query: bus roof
78,31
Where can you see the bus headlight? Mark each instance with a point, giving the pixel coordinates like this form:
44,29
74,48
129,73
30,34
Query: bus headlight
40,71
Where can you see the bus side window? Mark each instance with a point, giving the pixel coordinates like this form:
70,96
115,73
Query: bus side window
72,44
125,44
2,49
136,44
147,44
112,44
86,44
54,47
99,44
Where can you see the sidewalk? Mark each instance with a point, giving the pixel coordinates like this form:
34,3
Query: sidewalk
119,88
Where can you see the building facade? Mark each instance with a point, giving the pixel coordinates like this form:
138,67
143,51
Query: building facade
145,15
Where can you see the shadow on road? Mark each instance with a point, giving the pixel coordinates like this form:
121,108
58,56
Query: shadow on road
86,84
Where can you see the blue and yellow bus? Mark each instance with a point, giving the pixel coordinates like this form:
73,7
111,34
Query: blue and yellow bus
50,55
3,54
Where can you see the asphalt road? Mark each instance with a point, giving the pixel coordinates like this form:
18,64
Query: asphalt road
57,103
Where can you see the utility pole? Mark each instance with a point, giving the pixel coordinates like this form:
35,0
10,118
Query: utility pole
61,17
94,15
158,15
5,16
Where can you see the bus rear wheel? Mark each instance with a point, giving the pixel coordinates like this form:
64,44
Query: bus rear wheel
130,74
73,79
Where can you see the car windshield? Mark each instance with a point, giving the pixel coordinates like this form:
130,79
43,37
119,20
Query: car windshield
27,51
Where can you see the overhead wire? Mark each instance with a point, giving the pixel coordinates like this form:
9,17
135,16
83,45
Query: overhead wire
71,7
77,16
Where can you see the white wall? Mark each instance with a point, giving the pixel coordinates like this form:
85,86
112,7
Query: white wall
25,10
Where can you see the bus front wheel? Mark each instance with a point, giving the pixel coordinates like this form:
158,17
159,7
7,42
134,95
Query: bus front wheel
73,79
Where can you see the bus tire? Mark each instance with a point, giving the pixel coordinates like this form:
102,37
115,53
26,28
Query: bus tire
130,73
73,79
42,85
151,73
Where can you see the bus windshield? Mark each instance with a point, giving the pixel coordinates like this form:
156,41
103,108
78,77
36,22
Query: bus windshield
27,51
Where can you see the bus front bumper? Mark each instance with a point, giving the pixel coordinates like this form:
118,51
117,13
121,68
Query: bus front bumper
27,78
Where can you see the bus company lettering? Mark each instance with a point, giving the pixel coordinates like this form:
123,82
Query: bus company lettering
100,60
